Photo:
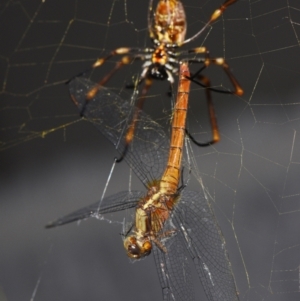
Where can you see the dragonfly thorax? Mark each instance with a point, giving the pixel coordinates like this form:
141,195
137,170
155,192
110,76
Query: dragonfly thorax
151,214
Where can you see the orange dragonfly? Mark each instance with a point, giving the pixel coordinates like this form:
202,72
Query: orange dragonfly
169,221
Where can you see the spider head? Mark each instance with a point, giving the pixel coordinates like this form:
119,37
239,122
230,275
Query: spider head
158,71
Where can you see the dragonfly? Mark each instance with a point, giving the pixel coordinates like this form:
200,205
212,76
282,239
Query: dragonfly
170,221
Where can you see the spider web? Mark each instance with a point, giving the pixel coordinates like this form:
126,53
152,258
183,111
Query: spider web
53,163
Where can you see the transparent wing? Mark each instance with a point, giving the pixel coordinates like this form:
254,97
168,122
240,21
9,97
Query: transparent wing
117,202
173,271
203,239
111,114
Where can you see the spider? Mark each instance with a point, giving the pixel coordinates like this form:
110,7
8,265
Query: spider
167,28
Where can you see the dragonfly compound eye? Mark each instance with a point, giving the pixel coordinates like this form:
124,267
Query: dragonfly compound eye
135,248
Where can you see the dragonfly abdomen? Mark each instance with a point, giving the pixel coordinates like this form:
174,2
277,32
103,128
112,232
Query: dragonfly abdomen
170,178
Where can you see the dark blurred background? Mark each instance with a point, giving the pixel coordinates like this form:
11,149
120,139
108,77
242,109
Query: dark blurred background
53,163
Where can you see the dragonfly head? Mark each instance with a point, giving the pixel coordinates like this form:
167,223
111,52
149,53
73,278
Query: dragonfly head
137,247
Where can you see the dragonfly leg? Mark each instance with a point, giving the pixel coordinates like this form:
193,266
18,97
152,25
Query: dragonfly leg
159,244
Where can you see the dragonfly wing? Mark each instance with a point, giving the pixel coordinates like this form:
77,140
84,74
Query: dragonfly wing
203,238
174,271
111,115
117,202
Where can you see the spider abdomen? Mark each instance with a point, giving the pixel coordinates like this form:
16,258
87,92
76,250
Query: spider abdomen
170,22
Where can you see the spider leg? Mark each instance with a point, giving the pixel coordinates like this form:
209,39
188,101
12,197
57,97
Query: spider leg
215,15
205,83
118,51
170,91
219,62
131,129
212,115
216,61
200,50
183,184
150,19
125,60
99,62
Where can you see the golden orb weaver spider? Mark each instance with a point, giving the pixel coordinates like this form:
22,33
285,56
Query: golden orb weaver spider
167,28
